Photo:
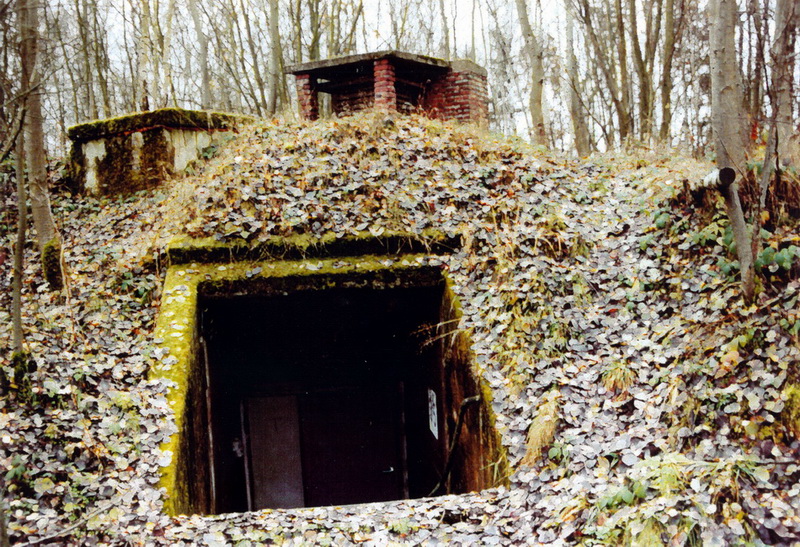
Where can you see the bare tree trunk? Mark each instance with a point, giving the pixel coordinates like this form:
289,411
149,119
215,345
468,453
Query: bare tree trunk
19,248
242,74
726,114
445,32
202,43
350,42
666,70
314,49
783,45
143,54
275,58
604,63
535,53
13,139
81,11
101,60
251,44
625,112
579,128
164,69
726,89
48,238
744,249
295,14
641,70
644,59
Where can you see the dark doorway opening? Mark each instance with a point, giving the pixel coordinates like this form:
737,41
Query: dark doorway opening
334,394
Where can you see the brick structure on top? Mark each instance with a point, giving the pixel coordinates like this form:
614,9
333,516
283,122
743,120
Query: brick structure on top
384,85
394,81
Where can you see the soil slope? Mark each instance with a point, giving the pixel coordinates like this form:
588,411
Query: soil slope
639,399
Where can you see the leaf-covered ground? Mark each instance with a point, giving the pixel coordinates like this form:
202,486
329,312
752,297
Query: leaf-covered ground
603,308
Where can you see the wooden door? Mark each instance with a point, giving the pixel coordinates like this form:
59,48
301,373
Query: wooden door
352,446
275,474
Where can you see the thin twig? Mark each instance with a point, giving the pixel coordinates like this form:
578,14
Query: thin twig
19,117
80,522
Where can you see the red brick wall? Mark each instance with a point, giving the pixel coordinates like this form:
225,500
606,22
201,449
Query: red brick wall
307,97
460,96
385,93
355,101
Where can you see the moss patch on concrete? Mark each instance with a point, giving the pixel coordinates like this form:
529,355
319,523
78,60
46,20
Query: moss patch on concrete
164,117
185,250
176,330
51,264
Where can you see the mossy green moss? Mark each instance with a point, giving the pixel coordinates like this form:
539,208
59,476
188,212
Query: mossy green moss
51,264
76,169
165,117
791,410
175,332
23,365
185,250
176,326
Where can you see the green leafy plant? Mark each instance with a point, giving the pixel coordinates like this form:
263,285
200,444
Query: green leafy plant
783,258
661,218
712,233
140,285
559,452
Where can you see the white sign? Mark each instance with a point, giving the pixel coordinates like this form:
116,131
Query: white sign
433,414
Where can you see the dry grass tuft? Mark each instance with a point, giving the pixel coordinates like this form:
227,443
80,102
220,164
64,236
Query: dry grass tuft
543,428
618,377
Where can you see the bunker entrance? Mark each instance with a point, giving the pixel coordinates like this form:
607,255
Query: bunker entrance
306,396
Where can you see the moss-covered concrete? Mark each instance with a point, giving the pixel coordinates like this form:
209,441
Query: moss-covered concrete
176,325
139,151
177,334
51,264
164,117
185,250
487,466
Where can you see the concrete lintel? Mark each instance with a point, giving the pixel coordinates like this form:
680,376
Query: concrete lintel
467,65
173,118
365,57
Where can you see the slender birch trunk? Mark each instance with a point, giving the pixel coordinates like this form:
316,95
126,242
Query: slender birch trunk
729,136
535,54
48,238
787,13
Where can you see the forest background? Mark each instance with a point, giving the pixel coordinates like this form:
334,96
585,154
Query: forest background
573,75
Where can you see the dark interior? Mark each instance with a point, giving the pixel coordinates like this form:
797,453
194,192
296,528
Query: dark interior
321,397
351,85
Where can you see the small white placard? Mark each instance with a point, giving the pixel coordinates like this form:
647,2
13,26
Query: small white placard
433,414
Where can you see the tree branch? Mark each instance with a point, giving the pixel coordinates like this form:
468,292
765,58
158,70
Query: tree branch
19,117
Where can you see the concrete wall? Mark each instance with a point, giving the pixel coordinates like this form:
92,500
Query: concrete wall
127,163
139,151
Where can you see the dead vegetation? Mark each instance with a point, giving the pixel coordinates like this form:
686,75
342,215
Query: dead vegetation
586,290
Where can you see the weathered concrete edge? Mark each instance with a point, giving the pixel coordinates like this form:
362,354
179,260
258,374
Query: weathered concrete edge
176,118
362,57
433,242
176,331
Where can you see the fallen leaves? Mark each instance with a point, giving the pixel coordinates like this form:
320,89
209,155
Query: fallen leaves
574,278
